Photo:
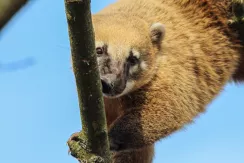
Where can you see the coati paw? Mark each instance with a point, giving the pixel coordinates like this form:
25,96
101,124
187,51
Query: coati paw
78,148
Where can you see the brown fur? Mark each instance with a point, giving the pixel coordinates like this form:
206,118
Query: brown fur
143,155
198,56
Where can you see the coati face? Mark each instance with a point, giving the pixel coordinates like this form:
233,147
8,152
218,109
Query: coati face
126,52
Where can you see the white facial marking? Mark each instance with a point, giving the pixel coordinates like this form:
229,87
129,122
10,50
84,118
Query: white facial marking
128,88
143,65
133,69
99,44
136,53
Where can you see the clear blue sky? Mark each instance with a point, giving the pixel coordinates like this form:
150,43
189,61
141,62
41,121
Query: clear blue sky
39,108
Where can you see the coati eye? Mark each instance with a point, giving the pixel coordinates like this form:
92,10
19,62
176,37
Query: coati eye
132,60
99,51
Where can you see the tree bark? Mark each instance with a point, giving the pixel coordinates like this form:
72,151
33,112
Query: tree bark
8,8
88,83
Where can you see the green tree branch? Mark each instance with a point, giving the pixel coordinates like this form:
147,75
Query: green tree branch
93,140
7,10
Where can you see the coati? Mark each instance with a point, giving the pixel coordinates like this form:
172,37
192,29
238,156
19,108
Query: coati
161,62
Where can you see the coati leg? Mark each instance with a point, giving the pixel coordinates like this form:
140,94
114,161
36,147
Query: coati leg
143,155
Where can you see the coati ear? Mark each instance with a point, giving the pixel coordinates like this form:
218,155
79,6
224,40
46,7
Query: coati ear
157,32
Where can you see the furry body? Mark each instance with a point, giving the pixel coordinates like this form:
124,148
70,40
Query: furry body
182,74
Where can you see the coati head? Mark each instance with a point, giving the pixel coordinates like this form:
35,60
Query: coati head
127,50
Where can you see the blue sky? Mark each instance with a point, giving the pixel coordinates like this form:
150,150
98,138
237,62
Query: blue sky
39,107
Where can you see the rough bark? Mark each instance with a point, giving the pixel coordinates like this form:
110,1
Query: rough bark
8,8
94,129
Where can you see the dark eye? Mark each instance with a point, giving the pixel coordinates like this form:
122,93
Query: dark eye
99,51
132,60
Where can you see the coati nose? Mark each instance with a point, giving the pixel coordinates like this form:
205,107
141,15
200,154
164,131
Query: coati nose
106,88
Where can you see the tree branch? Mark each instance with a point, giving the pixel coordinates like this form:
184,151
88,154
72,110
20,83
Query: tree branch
85,68
8,8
